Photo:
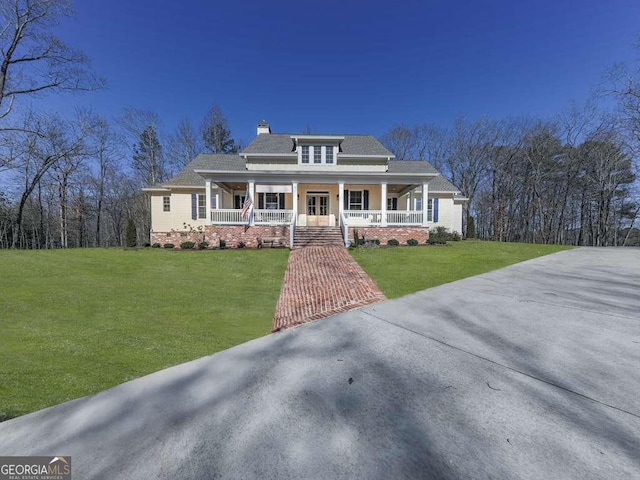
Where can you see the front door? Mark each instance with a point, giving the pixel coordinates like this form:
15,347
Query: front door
317,210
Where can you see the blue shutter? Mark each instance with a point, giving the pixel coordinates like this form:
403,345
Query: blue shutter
365,201
394,203
435,210
346,199
281,201
194,206
260,201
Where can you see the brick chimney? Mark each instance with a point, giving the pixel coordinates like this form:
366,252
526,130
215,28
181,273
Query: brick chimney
263,127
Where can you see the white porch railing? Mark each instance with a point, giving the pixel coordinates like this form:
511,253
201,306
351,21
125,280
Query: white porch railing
269,217
355,218
407,217
227,216
366,218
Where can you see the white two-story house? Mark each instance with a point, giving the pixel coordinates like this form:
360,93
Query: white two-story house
298,183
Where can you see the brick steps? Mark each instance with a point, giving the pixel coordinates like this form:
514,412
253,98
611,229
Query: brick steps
317,237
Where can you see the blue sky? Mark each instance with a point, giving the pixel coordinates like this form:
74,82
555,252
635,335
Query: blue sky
347,66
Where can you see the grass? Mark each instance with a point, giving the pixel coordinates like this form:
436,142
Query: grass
76,322
399,271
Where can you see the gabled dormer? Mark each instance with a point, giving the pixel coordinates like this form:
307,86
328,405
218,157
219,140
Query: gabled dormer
314,153
317,149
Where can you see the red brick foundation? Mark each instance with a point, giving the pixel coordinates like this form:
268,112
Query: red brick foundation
384,234
231,234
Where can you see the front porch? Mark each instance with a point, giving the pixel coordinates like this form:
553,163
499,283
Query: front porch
340,204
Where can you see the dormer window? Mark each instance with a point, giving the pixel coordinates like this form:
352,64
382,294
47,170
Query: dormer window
321,154
329,154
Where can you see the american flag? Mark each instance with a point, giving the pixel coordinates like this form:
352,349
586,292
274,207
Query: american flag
247,205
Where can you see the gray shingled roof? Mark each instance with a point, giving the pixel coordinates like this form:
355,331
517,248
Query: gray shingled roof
410,166
283,144
441,184
205,161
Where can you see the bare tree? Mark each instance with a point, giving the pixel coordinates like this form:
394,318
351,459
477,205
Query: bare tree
142,131
33,59
47,141
402,141
216,133
183,145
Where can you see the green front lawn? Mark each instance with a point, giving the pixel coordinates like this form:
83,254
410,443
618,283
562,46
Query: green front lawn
402,270
75,322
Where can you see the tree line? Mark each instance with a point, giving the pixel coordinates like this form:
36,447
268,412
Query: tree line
570,180
76,181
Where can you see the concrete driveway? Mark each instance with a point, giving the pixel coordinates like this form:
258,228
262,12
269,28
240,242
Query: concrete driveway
528,372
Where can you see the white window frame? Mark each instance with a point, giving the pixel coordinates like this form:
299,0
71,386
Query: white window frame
316,154
329,158
202,206
166,203
266,204
429,207
361,202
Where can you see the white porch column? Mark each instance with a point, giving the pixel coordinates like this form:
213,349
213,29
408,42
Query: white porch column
383,201
252,194
208,199
340,201
294,190
425,203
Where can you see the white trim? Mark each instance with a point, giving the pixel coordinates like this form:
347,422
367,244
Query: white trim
207,190
383,202
262,188
315,138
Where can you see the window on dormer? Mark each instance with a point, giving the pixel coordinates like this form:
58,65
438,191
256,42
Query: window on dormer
317,154
329,154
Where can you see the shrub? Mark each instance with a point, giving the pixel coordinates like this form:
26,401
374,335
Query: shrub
412,242
223,244
393,242
440,236
168,245
241,244
130,235
156,245
204,245
187,245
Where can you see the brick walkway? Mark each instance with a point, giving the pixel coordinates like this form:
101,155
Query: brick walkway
319,282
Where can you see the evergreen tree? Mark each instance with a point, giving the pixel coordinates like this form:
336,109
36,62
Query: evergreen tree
216,133
130,234
471,227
